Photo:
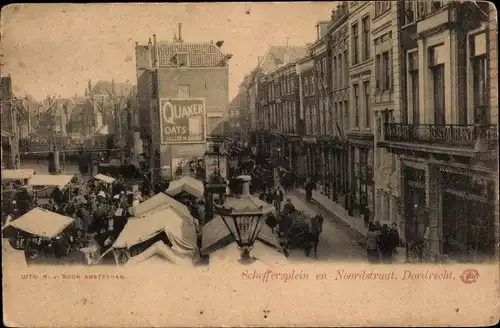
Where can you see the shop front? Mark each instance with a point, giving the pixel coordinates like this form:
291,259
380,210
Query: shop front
362,184
468,216
416,215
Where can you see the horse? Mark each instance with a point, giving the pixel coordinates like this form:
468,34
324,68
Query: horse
315,229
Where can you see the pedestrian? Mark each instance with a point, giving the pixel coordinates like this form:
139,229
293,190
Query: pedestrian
372,242
278,198
271,222
366,217
289,208
310,186
395,237
386,245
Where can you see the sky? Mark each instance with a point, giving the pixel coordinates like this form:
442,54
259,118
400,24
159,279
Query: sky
54,49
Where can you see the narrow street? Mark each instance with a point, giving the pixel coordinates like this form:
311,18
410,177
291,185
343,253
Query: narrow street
337,242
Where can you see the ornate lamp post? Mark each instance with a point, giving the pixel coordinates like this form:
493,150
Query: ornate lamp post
245,216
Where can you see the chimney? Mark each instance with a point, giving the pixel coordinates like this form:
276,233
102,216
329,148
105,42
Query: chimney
149,43
259,58
136,44
180,32
154,38
245,180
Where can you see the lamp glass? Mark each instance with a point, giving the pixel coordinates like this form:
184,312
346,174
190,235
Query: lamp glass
230,223
244,228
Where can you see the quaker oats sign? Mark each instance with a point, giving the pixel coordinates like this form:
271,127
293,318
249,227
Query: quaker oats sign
182,121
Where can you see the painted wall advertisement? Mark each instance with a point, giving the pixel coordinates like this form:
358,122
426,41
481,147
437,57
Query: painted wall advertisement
182,121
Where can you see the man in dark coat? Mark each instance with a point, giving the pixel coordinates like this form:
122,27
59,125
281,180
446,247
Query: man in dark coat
386,244
394,236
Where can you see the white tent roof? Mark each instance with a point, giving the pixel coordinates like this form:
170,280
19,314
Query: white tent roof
42,223
159,201
159,253
50,180
20,174
104,178
181,232
266,256
187,184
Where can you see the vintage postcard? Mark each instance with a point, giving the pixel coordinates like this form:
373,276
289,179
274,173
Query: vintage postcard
250,164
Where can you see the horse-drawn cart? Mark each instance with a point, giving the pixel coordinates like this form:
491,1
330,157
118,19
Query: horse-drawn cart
294,231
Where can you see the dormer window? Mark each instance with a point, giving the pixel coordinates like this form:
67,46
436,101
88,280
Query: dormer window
436,5
182,59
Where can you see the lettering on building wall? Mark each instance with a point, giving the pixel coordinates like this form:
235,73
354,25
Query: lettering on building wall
182,120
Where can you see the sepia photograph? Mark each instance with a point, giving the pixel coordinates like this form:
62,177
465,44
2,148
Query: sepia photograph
310,154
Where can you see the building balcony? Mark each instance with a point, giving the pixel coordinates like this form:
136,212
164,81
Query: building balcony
461,139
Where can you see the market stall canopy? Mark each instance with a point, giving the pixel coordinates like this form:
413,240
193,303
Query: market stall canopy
216,235
158,202
104,178
159,253
60,181
186,184
266,255
41,222
20,174
180,232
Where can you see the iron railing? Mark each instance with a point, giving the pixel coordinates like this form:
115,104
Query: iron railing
449,134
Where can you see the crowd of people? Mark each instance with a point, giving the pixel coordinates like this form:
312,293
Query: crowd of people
381,242
99,211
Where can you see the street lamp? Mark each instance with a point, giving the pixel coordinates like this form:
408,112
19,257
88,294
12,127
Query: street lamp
245,216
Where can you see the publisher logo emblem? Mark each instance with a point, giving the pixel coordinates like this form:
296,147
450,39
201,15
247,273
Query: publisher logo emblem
469,276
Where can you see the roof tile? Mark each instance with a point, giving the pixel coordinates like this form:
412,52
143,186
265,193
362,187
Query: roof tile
199,54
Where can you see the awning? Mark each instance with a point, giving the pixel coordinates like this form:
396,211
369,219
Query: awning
50,180
158,202
102,131
214,232
20,174
186,184
41,222
104,178
159,253
180,232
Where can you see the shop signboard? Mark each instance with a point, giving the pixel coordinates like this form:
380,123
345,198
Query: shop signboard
182,121
182,166
212,164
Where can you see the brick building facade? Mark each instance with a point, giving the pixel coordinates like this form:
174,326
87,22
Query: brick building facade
407,133
179,70
445,135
